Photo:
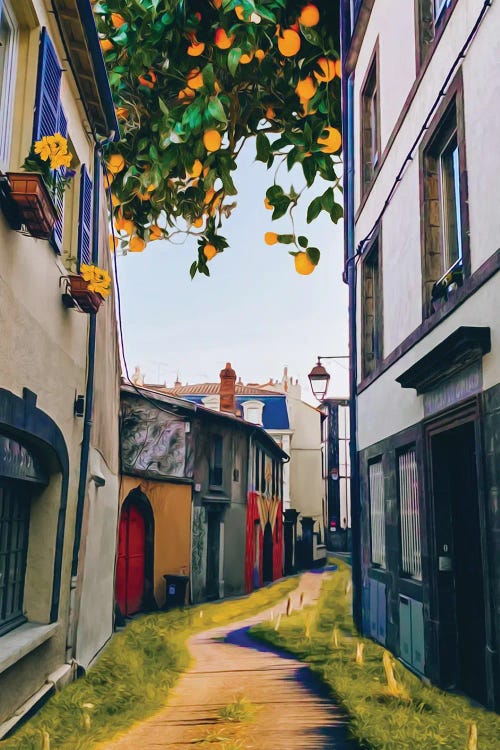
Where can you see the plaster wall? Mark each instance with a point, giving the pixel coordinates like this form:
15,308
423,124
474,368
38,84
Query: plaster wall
376,421
306,459
234,549
171,505
42,348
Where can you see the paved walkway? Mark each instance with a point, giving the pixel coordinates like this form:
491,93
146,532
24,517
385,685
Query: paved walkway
291,709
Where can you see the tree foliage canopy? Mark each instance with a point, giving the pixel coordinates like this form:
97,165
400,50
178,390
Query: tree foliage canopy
193,80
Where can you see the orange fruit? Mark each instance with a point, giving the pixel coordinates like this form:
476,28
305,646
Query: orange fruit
303,264
239,12
222,40
305,89
208,196
260,54
245,59
116,163
217,3
196,169
155,233
115,201
330,142
122,113
113,243
106,45
270,113
289,43
268,205
197,223
270,238
124,225
195,49
338,69
117,20
212,140
309,15
209,251
108,180
136,244
327,70
195,79
186,93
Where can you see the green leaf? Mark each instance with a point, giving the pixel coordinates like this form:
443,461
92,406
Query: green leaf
303,241
193,269
311,36
263,147
163,107
309,169
208,76
286,239
313,254
314,210
275,191
216,109
233,59
281,205
336,213
328,200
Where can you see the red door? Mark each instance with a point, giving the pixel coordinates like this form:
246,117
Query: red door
131,560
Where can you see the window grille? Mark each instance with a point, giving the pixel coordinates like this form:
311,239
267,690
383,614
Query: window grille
409,508
216,461
14,525
377,512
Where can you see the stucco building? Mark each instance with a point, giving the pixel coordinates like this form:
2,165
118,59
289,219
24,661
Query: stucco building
201,497
59,370
294,424
422,259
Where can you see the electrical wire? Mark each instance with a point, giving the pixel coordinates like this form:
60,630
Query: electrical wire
409,158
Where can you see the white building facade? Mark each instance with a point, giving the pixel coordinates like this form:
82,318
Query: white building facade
421,97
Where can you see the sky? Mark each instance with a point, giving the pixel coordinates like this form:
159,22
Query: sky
254,310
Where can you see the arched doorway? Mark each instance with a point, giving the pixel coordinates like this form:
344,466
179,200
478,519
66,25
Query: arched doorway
135,554
267,561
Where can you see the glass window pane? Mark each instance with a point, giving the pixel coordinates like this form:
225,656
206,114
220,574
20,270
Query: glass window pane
450,204
14,529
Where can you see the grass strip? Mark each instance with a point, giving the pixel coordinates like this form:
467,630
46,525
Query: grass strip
133,676
401,713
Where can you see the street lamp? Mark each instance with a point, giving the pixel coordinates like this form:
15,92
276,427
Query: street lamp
319,378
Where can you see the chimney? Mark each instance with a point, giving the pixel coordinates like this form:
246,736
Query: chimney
227,389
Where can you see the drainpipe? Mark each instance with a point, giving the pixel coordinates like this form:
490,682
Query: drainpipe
87,423
350,279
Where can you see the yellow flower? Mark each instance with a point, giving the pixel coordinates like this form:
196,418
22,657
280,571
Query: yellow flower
98,278
42,148
60,160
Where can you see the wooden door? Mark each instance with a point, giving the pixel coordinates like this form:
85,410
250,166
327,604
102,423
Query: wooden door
130,569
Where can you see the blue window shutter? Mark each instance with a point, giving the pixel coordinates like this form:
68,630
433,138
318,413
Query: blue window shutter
85,220
47,89
57,234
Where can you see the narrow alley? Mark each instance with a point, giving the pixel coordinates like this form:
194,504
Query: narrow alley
287,706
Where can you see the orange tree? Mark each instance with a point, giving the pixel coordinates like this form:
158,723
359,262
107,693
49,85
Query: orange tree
193,80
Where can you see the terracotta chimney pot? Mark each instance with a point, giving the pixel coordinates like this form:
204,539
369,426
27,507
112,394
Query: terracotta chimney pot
227,389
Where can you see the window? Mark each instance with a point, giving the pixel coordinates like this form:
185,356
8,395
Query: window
9,34
252,411
409,512
445,211
14,525
372,322
377,512
216,456
370,125
85,219
432,17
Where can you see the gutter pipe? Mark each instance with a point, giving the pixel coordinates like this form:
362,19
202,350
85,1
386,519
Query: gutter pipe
350,279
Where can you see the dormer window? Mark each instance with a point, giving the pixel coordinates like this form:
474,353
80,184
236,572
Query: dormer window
211,402
252,411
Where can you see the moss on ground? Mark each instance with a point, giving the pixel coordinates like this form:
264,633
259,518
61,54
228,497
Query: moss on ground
430,719
133,676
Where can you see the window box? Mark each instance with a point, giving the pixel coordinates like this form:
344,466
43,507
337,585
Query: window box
77,294
34,203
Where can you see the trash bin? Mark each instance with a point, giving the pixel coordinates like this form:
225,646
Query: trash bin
176,590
